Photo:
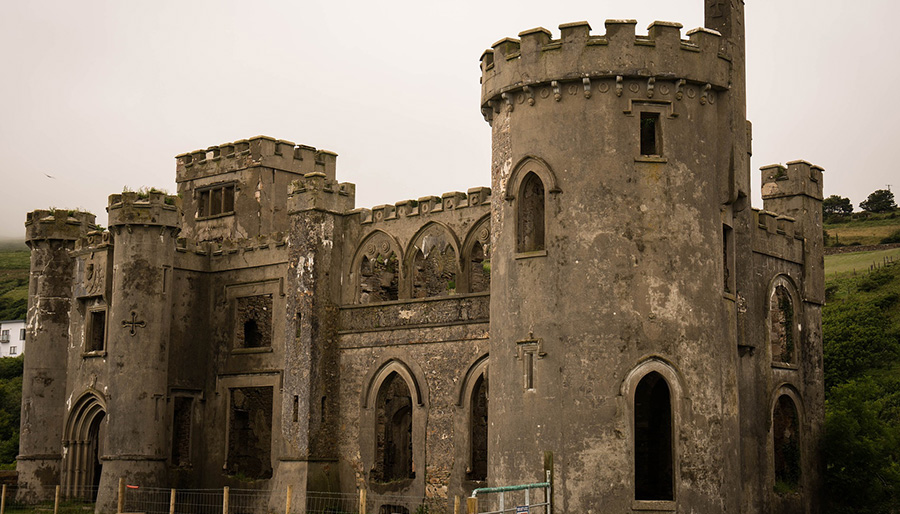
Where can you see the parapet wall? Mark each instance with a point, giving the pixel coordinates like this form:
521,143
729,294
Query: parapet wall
426,206
777,236
536,59
315,191
257,151
58,224
797,178
153,209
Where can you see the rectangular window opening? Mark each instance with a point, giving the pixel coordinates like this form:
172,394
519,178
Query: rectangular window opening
96,336
12,350
21,334
727,252
296,416
650,133
181,431
215,201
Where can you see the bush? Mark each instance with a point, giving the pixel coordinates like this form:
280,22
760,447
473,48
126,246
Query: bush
893,238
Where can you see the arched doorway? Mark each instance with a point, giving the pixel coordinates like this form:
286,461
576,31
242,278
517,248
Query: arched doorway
84,437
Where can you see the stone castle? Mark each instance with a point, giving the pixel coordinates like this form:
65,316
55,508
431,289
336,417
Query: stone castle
610,313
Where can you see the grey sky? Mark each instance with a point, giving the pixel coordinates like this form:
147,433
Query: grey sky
101,95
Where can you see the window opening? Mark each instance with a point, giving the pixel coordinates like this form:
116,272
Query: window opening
96,331
296,416
781,321
250,433
653,467
4,336
435,272
12,350
254,321
379,280
181,431
531,214
786,445
393,438
479,430
479,269
216,200
726,258
21,334
650,133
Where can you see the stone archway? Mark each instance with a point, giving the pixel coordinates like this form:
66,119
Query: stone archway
83,444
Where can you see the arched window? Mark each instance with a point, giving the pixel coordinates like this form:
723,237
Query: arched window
479,430
434,272
530,214
786,444
653,466
393,436
781,325
379,280
479,269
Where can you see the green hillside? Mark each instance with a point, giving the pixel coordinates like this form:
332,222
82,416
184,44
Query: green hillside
861,228
861,330
13,284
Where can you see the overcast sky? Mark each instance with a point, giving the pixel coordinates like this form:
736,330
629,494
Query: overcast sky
102,95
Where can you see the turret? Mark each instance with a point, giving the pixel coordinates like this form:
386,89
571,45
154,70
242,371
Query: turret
50,234
144,229
309,404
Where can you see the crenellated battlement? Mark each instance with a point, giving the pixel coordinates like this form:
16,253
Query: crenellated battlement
154,208
798,178
257,151
59,224
427,205
231,246
315,191
582,62
777,235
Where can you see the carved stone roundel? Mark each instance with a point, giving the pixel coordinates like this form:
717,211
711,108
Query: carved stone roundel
370,249
545,92
385,246
711,97
663,89
633,87
573,89
603,87
690,92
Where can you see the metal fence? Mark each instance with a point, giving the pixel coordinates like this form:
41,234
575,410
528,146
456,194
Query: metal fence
519,499
21,500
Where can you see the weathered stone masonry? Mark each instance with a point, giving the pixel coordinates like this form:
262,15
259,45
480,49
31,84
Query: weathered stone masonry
611,310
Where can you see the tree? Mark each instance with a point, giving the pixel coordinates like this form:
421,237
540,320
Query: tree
835,204
881,200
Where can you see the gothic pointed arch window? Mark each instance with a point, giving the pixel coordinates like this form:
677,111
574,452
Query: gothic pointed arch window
530,221
379,278
393,430
784,333
435,262
478,430
786,444
653,453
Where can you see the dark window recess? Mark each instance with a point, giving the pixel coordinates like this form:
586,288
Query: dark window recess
434,275
530,215
250,433
254,321
653,477
215,201
726,258
781,325
786,445
393,436
21,334
479,269
650,133
181,431
479,430
96,338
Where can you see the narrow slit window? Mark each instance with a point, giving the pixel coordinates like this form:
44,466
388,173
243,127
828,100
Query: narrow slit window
650,133
728,273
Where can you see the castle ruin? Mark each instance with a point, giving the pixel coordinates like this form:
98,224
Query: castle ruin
611,311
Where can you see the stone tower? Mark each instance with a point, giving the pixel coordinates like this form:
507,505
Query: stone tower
627,307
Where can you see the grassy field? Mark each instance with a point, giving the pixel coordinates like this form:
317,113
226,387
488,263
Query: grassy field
863,231
857,261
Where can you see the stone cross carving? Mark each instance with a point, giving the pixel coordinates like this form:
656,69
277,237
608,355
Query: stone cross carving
134,323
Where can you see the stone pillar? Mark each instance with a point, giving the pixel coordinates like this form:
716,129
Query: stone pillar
144,231
50,235
310,397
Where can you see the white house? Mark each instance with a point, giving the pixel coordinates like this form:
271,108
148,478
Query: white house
12,338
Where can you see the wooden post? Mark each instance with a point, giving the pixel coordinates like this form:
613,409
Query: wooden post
3,500
172,502
121,507
456,504
56,501
225,500
471,505
287,501
362,501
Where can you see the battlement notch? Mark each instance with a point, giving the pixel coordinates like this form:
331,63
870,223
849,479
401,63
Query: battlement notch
264,151
797,178
152,209
58,224
426,205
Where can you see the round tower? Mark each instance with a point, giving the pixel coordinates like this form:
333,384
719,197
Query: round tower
613,344
144,231
51,236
